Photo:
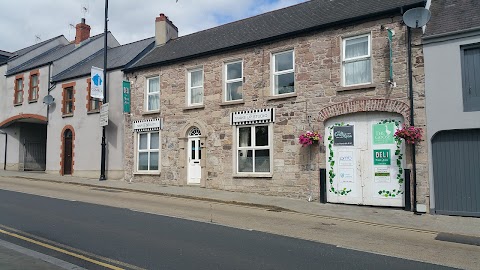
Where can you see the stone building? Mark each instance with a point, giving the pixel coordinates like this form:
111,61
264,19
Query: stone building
223,108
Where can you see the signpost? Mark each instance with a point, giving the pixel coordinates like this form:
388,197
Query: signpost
97,79
104,115
126,96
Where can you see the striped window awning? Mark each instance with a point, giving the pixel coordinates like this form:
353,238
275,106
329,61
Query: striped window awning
250,117
148,125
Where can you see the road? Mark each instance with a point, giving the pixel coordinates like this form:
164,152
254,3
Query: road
131,230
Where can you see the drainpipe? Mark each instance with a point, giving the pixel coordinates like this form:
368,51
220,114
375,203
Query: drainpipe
412,121
5,154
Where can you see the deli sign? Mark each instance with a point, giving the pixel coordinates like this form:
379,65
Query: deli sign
343,136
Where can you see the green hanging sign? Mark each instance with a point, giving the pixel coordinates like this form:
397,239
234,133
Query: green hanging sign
126,97
390,40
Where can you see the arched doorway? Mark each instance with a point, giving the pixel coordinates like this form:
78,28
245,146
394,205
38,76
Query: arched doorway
364,161
67,152
194,169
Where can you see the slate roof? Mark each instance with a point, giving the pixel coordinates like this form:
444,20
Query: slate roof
117,57
453,15
48,56
4,56
33,47
304,17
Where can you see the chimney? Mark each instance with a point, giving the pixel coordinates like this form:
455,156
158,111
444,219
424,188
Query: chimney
164,30
82,32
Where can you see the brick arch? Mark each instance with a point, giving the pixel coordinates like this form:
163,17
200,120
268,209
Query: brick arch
367,105
12,119
62,148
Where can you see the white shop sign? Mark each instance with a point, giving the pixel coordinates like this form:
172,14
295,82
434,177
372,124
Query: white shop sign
253,117
148,125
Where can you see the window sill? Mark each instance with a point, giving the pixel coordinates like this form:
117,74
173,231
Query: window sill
93,112
151,112
194,107
357,87
67,115
252,175
17,104
147,173
234,102
282,96
33,101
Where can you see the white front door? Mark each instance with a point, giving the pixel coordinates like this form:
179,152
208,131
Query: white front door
194,157
364,161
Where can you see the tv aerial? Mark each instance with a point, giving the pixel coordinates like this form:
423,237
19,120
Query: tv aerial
37,38
416,17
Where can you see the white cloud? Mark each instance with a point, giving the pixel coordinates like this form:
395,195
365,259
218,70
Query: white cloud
128,20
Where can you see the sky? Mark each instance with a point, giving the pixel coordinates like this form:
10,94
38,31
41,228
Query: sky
26,22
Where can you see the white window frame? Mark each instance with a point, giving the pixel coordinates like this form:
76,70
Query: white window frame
253,147
355,59
148,150
227,81
189,86
274,73
148,94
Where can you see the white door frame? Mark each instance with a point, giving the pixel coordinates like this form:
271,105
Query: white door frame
194,157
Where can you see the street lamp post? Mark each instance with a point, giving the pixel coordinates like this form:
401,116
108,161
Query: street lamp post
104,144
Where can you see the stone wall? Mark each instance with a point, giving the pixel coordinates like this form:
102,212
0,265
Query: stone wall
317,86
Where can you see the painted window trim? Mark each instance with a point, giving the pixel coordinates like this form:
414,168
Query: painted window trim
148,94
274,73
89,98
31,87
355,59
189,88
16,91
148,150
64,99
253,147
227,81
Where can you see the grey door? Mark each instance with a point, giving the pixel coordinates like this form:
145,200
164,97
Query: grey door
456,172
34,159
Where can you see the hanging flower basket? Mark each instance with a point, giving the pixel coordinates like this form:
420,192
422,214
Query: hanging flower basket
309,138
411,135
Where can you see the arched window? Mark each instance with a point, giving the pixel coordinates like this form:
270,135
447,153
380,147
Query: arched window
194,132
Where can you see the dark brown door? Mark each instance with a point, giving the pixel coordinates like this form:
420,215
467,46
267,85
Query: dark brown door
67,152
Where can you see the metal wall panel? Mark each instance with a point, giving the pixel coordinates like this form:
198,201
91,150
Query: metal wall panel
456,171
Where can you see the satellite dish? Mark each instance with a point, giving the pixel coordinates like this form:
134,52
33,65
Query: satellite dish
416,17
48,99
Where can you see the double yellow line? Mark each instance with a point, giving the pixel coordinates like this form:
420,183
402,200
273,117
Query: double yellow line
64,251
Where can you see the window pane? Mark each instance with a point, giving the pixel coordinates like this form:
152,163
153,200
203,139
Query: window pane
19,84
196,78
193,150
34,93
153,85
34,80
199,150
262,160
261,136
234,91
153,102
284,83
154,161
143,143
358,72
234,71
196,95
142,161
284,61
245,137
19,96
69,107
154,140
356,47
69,93
245,161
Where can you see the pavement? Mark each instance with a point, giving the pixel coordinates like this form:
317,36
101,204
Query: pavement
392,217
